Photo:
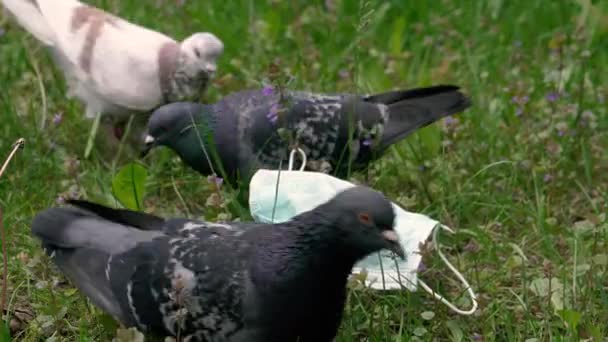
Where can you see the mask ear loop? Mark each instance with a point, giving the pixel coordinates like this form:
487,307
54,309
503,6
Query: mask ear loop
292,157
289,168
464,282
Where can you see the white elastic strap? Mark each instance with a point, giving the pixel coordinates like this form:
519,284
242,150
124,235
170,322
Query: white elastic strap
290,166
458,275
291,158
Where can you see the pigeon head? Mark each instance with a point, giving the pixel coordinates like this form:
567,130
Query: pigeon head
365,219
201,51
174,125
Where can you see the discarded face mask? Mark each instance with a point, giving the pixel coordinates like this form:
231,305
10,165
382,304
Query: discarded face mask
277,196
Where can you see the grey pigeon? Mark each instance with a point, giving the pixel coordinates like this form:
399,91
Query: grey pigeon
242,130
115,67
218,282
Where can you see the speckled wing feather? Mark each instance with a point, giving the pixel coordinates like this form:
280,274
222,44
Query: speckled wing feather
321,123
183,284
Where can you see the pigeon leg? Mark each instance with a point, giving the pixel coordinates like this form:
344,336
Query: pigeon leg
93,132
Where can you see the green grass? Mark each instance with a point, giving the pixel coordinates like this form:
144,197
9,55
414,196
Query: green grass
527,194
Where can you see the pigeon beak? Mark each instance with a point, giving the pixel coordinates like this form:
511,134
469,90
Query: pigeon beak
393,244
149,139
149,142
210,68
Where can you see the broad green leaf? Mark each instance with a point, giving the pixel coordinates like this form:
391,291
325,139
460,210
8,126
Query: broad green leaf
128,185
455,330
514,261
420,331
427,315
5,332
571,317
553,287
601,259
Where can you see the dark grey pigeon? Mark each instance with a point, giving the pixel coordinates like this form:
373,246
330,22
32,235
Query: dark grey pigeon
241,130
238,282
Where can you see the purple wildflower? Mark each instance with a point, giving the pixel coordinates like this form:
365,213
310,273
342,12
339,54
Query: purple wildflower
552,96
587,115
547,178
421,267
471,247
519,111
520,100
477,337
449,121
215,179
273,114
560,132
367,142
57,118
343,73
60,199
267,90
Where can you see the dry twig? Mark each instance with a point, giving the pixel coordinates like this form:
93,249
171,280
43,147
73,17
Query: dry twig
17,145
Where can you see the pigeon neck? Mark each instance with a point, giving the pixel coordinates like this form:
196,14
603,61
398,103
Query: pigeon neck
188,80
193,143
322,245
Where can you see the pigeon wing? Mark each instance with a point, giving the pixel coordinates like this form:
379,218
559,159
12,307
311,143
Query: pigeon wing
115,58
313,118
82,246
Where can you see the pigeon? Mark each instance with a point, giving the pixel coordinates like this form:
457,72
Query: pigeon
115,67
219,282
243,131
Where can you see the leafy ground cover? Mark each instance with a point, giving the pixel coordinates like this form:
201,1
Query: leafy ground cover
521,176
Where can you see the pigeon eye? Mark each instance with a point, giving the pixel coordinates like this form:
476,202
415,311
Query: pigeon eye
197,53
365,218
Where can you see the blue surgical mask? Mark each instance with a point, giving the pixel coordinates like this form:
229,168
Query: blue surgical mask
277,196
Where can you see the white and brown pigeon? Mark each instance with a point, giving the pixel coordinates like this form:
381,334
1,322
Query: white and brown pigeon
231,282
115,67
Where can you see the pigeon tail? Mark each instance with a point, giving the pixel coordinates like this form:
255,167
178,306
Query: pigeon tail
52,226
412,109
127,217
28,15
85,267
75,228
